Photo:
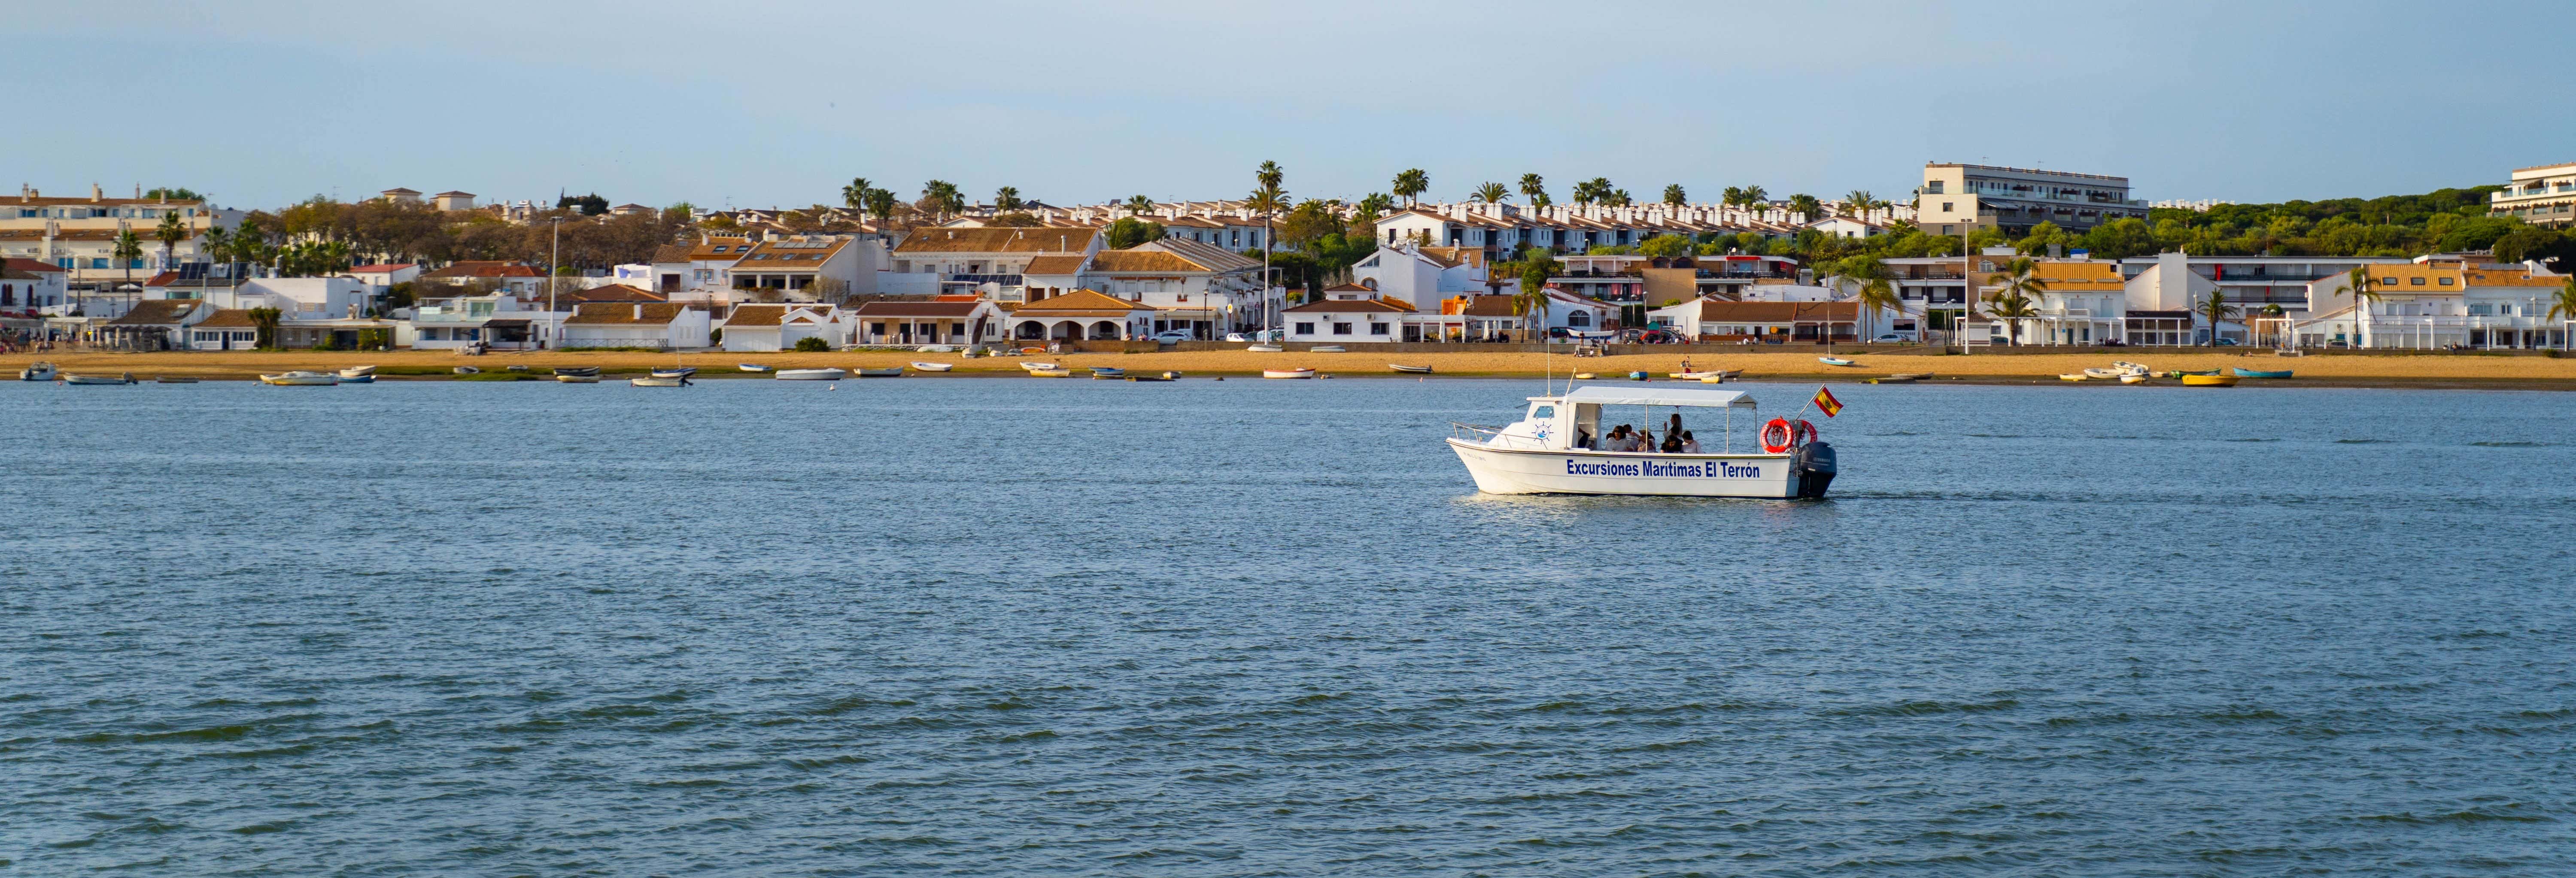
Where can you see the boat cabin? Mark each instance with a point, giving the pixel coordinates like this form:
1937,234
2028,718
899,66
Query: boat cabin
1574,420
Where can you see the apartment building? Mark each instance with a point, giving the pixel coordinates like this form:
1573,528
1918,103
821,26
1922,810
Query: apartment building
2171,281
2541,196
78,234
2438,301
1957,198
989,262
1200,288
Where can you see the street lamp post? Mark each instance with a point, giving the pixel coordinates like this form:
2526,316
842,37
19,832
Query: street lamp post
554,267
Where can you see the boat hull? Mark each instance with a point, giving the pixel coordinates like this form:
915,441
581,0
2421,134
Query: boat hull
1521,471
934,367
808,374
1287,373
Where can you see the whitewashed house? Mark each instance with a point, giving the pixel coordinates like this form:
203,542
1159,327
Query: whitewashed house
667,325
778,327
945,320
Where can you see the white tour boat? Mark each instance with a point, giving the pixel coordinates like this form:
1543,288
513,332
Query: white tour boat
1543,454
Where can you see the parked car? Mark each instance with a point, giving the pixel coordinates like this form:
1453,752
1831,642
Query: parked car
1894,338
1173,336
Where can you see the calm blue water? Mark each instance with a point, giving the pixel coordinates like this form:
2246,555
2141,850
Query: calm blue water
980,627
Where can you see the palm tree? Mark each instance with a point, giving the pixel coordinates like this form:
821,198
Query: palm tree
1733,197
1673,195
1138,206
1532,300
1493,193
2216,309
882,203
1007,198
941,198
1618,198
128,248
2365,290
219,247
1268,200
855,195
1759,201
2016,290
1411,182
1535,188
1877,294
1860,203
2562,307
1806,206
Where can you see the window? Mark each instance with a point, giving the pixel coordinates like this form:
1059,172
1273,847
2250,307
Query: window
2415,281
1543,412
1341,328
1305,329
2446,281
2389,281
1933,188
1377,329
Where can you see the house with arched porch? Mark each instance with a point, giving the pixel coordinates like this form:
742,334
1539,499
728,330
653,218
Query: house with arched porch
1082,315
943,320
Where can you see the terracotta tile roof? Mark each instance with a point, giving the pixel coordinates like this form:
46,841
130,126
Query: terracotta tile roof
757,315
1214,257
1140,260
791,255
1042,239
917,309
1488,306
1082,303
615,293
1452,257
483,269
1053,264
670,253
30,265
2513,277
607,313
157,312
229,318
385,268
1361,306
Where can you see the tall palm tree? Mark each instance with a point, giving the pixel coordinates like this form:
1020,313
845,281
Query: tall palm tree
1673,195
1877,292
1806,206
1860,203
1493,193
1138,206
942,198
1618,198
1411,182
128,248
1007,198
2216,309
882,203
1532,300
2562,307
1268,199
1733,197
2017,290
1534,187
1376,203
2365,290
855,195
219,246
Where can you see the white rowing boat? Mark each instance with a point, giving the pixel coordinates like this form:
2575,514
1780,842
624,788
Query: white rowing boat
127,378
810,374
301,379
751,367
933,367
1287,373
659,382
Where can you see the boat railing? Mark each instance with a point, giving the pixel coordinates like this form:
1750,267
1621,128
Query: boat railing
1473,432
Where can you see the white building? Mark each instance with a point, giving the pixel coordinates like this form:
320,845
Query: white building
1082,315
1423,275
667,325
490,321
1196,287
1955,199
990,262
778,327
2439,301
2543,195
946,320
29,285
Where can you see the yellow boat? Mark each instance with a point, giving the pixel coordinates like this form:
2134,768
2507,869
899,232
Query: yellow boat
2209,381
2072,376
1050,373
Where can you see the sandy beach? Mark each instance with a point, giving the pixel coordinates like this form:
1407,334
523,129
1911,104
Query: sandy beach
2431,369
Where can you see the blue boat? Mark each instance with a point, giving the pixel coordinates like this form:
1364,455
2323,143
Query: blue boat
1636,376
2258,373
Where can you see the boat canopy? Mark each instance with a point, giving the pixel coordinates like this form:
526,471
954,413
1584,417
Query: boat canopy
1600,395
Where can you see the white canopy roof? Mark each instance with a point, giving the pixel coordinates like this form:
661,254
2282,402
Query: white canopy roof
1650,395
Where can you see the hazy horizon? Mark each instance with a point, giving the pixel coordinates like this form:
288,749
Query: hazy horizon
762,105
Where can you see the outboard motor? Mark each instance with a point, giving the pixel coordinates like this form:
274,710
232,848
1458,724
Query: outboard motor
1813,467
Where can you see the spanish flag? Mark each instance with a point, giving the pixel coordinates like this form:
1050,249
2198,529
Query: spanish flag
1825,402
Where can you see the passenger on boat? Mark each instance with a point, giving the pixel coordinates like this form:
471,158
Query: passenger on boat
1672,442
1617,440
1582,438
1690,443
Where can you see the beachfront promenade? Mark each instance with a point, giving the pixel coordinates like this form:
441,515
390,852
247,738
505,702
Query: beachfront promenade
2527,369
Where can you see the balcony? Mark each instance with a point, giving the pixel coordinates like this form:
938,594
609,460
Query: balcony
1008,280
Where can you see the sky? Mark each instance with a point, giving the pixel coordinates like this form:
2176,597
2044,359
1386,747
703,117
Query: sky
762,104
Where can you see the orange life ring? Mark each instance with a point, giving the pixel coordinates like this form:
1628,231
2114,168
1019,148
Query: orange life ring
1805,433
1777,435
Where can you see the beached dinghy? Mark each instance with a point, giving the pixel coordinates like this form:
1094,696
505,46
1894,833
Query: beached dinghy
1287,373
1835,361
1033,365
806,374
933,367
1265,349
2209,380
2260,373
659,382
896,372
1409,370
466,370
2100,373
126,378
2134,378
1050,373
673,372
751,367
1327,349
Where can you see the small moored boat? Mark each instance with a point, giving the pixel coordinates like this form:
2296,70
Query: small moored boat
1409,370
1050,373
751,367
357,371
1327,349
2102,373
1585,376
37,372
1033,365
2209,380
1835,361
2134,378
1637,376
801,374
126,378
895,372
466,370
2260,373
2073,376
659,382
301,378
1265,349
577,371
1705,374
1108,373
578,379
1167,376
933,367
673,372
362,379
1287,373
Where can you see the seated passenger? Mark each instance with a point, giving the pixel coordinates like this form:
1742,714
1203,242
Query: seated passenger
1582,438
1672,442
1690,443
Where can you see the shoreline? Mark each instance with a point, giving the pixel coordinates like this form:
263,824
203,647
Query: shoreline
2425,371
